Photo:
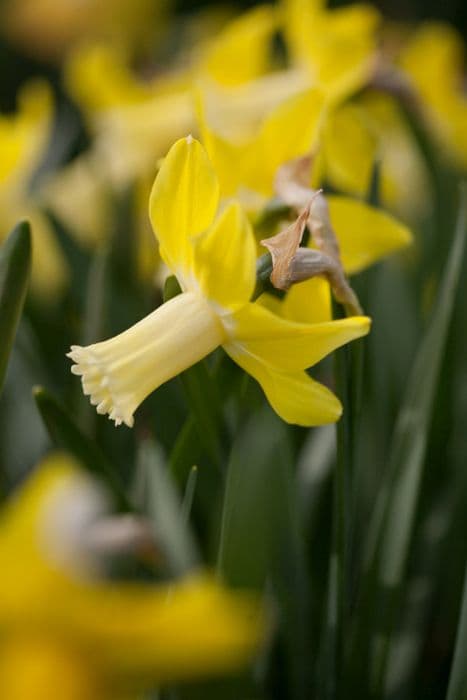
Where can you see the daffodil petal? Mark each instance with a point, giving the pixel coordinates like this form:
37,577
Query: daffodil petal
365,234
295,397
285,345
185,630
225,259
307,302
291,130
183,202
349,147
30,665
242,50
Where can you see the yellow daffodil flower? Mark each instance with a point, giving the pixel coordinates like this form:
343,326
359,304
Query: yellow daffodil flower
258,152
337,47
214,259
95,640
241,52
133,121
433,59
23,140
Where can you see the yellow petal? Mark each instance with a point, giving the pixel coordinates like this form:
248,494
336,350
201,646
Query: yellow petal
31,665
222,154
434,59
349,150
242,51
295,397
285,345
308,302
291,130
225,259
183,202
36,531
365,234
186,630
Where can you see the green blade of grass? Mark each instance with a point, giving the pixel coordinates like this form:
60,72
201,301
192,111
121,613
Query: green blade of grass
65,434
457,688
253,513
392,528
261,537
162,505
348,378
15,265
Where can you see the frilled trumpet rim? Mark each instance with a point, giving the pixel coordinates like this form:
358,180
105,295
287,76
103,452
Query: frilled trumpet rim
118,374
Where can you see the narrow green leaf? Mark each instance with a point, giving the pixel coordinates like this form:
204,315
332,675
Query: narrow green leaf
95,303
395,511
65,434
189,493
15,265
253,512
161,503
457,688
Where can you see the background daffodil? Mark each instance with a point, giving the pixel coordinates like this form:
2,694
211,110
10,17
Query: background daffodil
214,260
92,639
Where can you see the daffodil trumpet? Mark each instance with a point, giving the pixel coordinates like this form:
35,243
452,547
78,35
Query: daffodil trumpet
214,260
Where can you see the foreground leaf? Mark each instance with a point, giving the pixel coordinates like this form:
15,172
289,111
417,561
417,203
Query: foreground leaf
15,266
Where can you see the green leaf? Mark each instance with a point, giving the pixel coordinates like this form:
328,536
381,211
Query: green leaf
457,688
161,503
15,266
394,519
65,434
253,513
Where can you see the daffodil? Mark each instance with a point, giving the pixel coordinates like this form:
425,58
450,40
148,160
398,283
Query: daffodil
433,60
214,260
284,132
64,628
133,120
337,47
24,136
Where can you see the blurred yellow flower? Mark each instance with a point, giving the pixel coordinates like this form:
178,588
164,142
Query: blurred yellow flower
247,159
133,121
434,60
337,47
24,137
214,260
94,640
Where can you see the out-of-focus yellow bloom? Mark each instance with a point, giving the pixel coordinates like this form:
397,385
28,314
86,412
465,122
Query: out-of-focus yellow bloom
49,28
247,159
133,121
368,131
23,140
349,149
95,640
214,260
242,50
434,60
365,234
337,47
